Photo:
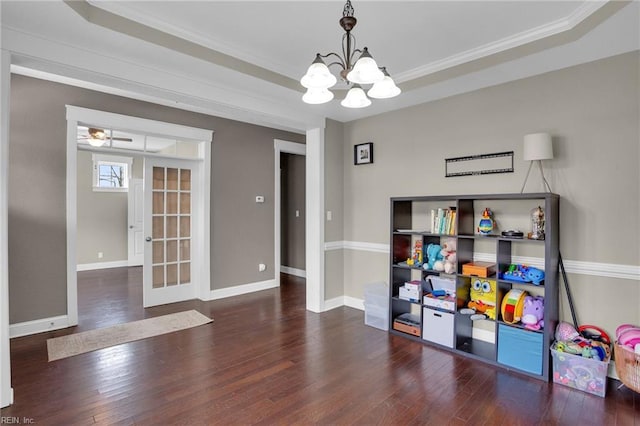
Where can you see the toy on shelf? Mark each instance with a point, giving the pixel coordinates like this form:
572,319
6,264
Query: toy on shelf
523,274
483,297
513,306
487,223
448,253
533,312
416,255
537,224
434,254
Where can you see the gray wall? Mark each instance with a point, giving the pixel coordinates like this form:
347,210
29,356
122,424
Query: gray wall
292,179
333,202
242,231
593,113
102,216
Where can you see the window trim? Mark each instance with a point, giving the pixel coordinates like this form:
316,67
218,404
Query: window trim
98,159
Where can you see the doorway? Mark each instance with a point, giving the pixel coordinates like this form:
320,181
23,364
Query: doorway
187,143
292,214
297,149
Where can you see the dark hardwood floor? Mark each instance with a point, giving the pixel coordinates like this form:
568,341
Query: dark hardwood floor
266,360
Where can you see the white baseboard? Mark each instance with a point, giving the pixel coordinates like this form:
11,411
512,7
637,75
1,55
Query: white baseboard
241,289
352,302
336,302
293,271
38,326
102,265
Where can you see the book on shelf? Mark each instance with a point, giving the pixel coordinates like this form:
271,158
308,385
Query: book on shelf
443,221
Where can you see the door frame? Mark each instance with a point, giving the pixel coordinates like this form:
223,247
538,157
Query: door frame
131,213
77,115
281,146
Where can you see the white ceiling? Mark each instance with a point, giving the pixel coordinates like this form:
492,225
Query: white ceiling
243,60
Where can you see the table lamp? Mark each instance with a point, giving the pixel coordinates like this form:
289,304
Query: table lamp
537,147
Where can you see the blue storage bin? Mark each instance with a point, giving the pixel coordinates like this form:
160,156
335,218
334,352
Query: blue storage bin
520,349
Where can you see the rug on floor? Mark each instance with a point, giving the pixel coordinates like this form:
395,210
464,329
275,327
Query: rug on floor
87,341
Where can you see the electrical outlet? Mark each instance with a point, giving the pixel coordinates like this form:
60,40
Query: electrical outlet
262,267
100,255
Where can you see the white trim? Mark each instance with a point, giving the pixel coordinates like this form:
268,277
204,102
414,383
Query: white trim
580,267
28,328
72,221
103,265
314,229
357,245
293,271
280,146
567,23
238,290
6,392
354,303
205,225
137,124
336,302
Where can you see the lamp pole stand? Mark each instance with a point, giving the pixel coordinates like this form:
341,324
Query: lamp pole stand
544,180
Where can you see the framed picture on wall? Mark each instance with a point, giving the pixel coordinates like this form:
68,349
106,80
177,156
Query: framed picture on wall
363,153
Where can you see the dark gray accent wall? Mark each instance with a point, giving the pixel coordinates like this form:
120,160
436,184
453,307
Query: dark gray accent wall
292,179
242,167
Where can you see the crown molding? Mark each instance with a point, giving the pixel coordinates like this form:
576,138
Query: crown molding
567,23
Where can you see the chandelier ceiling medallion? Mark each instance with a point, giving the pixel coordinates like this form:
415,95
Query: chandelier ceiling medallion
364,71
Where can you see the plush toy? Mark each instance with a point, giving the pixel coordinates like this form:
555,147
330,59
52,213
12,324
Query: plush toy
483,297
448,253
433,255
533,312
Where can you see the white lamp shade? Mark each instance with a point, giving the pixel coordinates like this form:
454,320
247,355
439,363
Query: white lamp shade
318,76
96,142
317,96
538,146
365,70
356,98
386,88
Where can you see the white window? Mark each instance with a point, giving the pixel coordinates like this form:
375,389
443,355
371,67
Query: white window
111,173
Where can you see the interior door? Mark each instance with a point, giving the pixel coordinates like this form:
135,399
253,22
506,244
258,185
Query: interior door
135,230
167,274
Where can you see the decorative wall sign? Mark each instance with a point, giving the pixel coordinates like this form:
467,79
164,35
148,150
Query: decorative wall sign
482,164
363,153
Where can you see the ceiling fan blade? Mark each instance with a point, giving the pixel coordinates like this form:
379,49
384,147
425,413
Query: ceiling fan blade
121,139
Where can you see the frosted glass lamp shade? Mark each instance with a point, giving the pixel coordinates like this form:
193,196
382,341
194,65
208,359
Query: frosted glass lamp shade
317,96
356,98
96,142
538,146
365,71
385,88
318,76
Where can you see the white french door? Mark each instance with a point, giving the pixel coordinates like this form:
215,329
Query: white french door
169,192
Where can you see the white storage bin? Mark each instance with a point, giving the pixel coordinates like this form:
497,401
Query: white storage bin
376,316
437,327
377,294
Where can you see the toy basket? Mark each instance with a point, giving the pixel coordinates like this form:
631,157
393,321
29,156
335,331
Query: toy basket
628,367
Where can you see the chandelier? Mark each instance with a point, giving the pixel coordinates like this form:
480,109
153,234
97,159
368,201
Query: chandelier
364,71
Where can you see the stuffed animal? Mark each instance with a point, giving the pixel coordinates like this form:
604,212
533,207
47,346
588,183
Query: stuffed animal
533,312
448,253
483,297
433,255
